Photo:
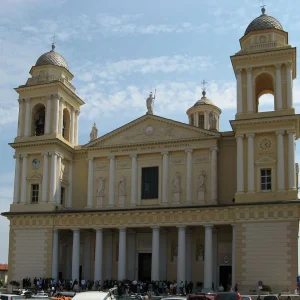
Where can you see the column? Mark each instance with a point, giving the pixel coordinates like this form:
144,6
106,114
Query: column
133,179
239,91
98,256
76,126
181,255
48,115
196,118
215,257
188,256
53,173
289,84
111,187
21,112
155,254
76,254
249,90
72,124
55,254
208,262
27,117
70,182
45,178
233,280
278,87
90,193
280,161
214,174
122,254
17,179
291,159
189,174
87,257
24,179
61,115
240,163
165,176
108,248
55,113
58,183
250,137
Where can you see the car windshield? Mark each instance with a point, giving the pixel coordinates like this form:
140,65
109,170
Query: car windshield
227,296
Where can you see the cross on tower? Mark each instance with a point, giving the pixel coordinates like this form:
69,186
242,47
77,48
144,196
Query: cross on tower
263,6
203,83
54,36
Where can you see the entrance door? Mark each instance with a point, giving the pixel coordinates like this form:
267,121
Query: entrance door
225,277
145,260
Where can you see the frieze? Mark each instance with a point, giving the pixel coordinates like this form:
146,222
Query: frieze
101,165
177,160
201,159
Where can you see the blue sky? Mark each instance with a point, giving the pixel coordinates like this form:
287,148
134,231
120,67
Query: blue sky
119,51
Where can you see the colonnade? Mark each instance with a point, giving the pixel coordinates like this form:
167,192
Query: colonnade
164,183
59,104
50,191
184,257
280,162
250,107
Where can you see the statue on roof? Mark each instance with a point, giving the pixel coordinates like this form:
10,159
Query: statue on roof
149,103
94,133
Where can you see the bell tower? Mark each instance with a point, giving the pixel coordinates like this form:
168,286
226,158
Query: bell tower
47,134
266,64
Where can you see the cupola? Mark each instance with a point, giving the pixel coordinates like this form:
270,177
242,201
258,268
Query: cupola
204,114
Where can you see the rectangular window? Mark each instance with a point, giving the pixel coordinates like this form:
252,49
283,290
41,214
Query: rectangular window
150,183
62,195
35,193
265,180
201,121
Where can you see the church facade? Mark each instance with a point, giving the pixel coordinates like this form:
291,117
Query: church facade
158,199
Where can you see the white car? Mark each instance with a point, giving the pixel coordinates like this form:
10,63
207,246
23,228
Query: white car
94,295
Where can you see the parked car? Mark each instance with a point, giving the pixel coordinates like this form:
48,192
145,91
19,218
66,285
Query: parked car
246,297
10,297
271,297
229,296
201,296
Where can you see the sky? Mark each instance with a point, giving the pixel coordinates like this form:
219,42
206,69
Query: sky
119,51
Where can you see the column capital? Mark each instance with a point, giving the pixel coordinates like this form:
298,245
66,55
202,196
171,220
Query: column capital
155,227
122,229
111,157
291,131
239,135
233,225
181,226
45,153
249,70
21,101
278,65
133,155
90,159
98,229
27,99
188,150
238,71
17,156
77,112
214,149
55,230
24,155
289,65
250,135
60,156
76,230
164,152
62,100
53,153
208,225
56,96
280,132
49,97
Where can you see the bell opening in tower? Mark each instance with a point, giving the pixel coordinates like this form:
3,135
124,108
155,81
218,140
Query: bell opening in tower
39,120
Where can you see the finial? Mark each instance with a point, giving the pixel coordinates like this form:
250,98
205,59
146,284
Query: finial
203,88
53,42
263,10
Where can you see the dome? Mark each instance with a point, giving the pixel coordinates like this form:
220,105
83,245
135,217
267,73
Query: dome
52,58
203,100
263,22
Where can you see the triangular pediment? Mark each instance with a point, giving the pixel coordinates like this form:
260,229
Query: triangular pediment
151,128
35,178
265,161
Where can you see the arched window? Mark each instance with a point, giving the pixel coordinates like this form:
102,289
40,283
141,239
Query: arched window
66,125
38,120
264,93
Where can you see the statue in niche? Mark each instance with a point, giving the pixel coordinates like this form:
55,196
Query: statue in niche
122,186
100,186
201,181
176,183
149,103
94,133
212,121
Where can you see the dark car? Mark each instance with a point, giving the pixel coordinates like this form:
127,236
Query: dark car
228,296
198,297
271,297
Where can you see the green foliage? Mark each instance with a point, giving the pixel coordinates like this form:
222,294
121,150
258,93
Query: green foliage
266,288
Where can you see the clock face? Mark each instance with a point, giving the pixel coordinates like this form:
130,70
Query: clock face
265,144
36,163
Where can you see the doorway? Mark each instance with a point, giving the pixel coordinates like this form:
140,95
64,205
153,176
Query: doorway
144,271
225,277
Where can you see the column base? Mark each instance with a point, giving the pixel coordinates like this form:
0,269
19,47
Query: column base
250,192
